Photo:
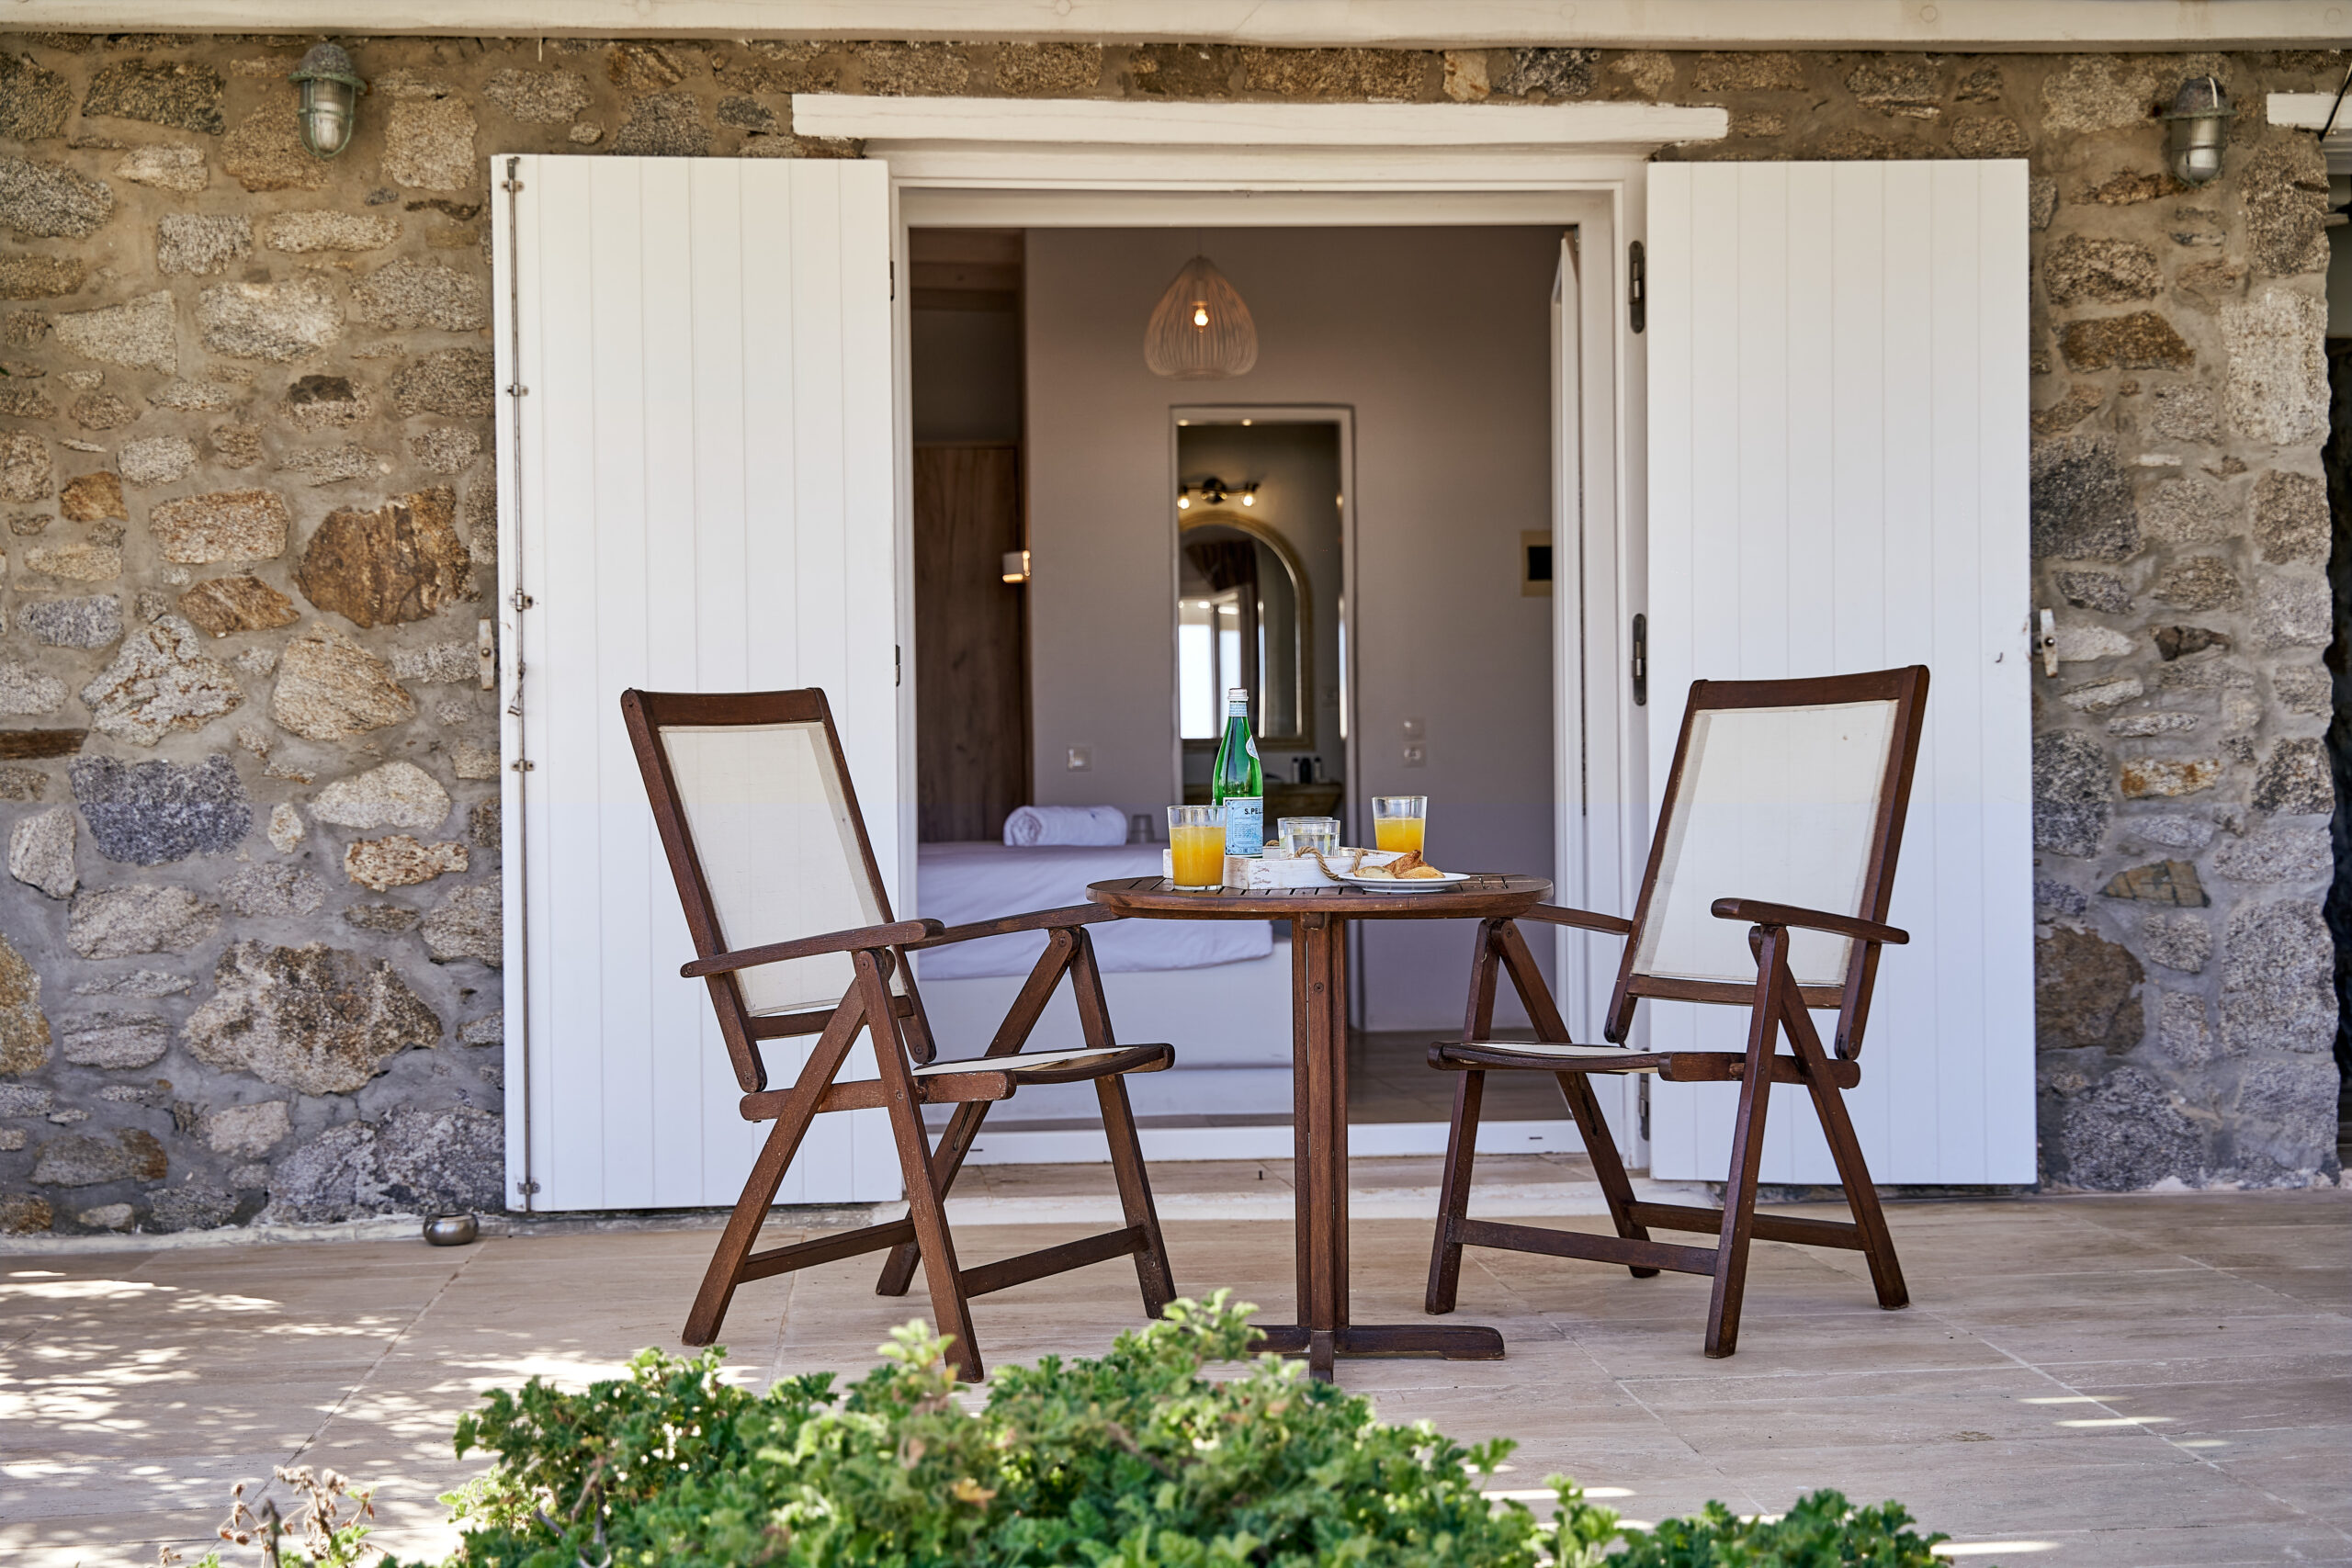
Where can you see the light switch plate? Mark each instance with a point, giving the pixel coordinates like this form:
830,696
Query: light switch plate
1416,756
1415,729
1082,760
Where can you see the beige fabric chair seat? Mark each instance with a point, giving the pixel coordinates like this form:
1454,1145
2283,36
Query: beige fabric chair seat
1552,1056
1027,1063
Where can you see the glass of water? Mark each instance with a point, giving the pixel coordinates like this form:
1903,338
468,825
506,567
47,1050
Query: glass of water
1300,834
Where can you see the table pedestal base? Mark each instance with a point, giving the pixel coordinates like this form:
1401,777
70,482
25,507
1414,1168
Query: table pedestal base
1453,1342
1318,926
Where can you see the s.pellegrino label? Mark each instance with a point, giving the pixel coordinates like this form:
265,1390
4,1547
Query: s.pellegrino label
1239,785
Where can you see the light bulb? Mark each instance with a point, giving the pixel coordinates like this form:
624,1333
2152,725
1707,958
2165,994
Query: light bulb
1200,313
1248,498
1183,504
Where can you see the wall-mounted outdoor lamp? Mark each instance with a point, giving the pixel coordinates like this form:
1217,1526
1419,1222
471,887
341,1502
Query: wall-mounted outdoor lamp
2197,127
330,86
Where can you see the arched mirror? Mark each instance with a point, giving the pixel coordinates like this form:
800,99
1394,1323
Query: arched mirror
1244,614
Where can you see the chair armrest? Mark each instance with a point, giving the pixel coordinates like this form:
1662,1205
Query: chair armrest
1041,920
1759,913
899,933
1583,919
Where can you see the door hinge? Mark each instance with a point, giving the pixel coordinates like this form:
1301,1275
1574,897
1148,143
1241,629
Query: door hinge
524,765
898,670
1643,1099
1637,286
528,1187
516,389
1641,661
894,277
522,600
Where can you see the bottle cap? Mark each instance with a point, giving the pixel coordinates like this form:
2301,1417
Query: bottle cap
1237,695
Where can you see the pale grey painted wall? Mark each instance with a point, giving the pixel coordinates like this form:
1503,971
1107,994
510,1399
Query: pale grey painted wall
1438,338
966,379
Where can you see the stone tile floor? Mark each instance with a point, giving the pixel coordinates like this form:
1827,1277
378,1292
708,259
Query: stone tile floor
2130,1380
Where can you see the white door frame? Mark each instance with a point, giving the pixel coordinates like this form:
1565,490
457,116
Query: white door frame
1007,163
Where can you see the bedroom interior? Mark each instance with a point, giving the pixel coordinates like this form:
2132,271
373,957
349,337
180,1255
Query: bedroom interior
1100,551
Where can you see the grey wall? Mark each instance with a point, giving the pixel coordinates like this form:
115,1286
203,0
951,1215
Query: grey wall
1438,338
966,375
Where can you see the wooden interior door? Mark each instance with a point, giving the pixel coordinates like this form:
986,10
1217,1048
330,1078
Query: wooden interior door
971,642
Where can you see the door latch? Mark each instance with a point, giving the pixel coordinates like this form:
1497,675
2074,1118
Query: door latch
2048,643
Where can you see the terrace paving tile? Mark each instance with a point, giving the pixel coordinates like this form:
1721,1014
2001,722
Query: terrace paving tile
2157,1336
115,1537
2326,1288
2304,1467
171,1373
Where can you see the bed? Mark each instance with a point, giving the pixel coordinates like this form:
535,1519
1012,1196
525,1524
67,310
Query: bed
1217,991
961,883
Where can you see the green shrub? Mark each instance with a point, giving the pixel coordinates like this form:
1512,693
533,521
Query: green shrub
1135,1460
1823,1530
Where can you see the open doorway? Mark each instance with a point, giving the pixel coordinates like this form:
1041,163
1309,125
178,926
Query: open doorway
1347,536
971,660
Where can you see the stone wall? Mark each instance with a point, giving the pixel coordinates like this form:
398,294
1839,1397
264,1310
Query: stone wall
248,943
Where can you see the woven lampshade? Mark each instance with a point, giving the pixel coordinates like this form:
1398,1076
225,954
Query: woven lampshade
1200,330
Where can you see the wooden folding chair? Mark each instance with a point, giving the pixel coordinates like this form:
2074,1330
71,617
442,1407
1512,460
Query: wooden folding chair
757,814
1784,814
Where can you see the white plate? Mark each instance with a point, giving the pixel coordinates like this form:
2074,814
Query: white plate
1413,884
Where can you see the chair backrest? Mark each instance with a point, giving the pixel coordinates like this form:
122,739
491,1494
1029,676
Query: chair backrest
757,814
1791,792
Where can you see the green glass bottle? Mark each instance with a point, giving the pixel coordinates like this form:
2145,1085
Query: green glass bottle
1239,785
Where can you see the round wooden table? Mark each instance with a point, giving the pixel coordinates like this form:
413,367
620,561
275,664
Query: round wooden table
1318,918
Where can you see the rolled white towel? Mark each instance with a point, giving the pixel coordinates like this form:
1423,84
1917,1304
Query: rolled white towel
1091,825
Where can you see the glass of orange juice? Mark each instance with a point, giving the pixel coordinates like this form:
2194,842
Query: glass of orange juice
1397,821
1196,848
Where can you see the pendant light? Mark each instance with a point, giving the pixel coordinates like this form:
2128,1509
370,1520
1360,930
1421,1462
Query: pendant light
1200,330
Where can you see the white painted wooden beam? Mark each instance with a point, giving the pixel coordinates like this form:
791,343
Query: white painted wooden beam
2166,25
2309,111
1617,128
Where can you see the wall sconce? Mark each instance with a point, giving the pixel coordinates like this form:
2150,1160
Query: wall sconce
2196,128
1215,491
1016,565
330,86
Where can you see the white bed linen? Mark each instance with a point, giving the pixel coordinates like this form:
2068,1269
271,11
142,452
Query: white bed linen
1032,826
960,883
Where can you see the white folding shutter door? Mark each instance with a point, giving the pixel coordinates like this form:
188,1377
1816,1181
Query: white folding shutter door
1838,483
697,495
